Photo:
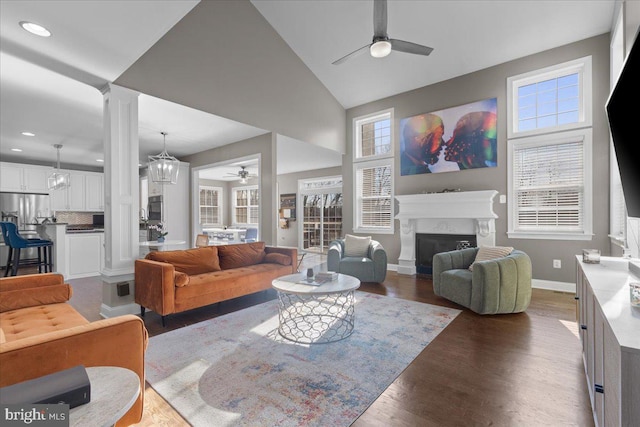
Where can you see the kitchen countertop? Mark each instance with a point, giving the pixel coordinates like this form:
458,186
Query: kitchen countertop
93,230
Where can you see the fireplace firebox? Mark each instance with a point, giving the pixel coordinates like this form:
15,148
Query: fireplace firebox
427,245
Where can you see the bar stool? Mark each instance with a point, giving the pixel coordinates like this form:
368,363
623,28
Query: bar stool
16,242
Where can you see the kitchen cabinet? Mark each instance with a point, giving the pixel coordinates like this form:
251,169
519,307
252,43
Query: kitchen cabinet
84,255
20,178
94,192
84,194
609,328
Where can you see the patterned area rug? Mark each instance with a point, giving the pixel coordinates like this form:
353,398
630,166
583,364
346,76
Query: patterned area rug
235,370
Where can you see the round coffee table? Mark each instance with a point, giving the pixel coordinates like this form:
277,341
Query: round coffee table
315,314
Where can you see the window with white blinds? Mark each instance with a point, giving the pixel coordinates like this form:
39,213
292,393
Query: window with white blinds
550,186
374,197
210,205
246,205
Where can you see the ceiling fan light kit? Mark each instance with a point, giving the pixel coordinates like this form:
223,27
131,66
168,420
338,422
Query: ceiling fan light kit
163,168
58,180
382,45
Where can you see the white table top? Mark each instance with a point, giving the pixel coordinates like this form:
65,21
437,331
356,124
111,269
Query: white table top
609,281
289,284
154,243
114,390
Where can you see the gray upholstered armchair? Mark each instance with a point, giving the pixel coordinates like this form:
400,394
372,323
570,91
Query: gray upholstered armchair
372,268
501,285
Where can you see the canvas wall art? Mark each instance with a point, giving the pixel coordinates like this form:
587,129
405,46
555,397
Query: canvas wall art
458,138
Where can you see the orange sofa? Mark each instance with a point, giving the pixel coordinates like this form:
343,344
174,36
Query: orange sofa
40,333
175,281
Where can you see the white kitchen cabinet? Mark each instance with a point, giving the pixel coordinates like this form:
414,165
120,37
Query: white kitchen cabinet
21,178
84,255
609,328
94,192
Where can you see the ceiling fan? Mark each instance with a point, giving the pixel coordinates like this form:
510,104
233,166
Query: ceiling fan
243,174
382,45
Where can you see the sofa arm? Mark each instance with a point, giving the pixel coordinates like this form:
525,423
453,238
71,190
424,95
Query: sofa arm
335,254
502,285
30,281
452,260
379,257
155,286
291,252
119,341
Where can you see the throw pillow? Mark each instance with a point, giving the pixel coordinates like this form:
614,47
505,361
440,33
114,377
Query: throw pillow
486,253
276,258
189,261
241,255
356,246
180,279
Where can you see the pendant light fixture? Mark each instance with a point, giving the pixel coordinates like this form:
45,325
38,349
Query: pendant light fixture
58,180
163,168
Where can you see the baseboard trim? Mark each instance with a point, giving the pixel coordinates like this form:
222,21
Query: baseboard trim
392,267
553,285
107,312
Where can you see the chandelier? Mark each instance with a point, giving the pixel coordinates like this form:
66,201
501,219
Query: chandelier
58,180
163,168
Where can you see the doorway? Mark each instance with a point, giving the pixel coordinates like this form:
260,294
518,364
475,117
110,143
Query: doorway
321,201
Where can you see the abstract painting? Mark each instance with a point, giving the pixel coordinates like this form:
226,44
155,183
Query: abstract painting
454,139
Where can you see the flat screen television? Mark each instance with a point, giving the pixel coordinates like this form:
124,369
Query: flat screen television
623,111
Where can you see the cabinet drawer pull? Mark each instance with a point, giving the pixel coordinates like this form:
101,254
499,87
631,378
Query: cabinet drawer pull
598,388
583,327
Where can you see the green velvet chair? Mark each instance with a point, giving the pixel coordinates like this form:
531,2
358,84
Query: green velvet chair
370,268
501,285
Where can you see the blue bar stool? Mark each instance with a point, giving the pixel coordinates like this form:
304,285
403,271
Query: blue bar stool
16,242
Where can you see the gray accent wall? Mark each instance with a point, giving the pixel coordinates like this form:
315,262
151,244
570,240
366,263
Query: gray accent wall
224,58
490,83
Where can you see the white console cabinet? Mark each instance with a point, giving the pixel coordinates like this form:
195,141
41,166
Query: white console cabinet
610,334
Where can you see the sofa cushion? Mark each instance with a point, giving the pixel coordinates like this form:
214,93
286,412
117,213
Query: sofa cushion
189,261
241,255
355,246
32,321
276,258
30,297
2,337
486,253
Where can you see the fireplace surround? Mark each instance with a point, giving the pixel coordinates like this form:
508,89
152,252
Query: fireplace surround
455,213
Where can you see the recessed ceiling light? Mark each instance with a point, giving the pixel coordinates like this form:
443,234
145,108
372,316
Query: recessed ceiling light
16,150
99,160
28,134
36,29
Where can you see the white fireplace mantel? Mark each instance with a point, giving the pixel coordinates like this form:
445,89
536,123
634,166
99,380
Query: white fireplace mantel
463,212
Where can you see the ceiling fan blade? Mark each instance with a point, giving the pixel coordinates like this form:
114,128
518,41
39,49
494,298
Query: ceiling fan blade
380,18
352,54
408,47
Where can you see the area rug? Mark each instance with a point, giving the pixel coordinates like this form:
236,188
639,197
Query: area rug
235,370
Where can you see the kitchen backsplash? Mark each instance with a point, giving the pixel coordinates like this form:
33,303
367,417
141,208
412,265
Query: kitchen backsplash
75,217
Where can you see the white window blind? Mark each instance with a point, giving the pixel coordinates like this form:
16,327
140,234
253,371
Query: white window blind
210,205
549,187
374,197
246,205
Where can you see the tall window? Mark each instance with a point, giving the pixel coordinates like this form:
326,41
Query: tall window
549,150
373,173
246,205
210,205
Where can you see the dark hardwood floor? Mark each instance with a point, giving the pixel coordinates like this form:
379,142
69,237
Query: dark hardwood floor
505,370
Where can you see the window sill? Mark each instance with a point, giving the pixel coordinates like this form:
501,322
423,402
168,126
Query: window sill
548,236
618,240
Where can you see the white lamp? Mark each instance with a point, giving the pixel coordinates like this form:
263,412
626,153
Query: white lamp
164,168
380,49
58,180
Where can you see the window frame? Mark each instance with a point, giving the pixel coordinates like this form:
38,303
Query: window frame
357,195
587,209
234,193
220,205
582,66
358,122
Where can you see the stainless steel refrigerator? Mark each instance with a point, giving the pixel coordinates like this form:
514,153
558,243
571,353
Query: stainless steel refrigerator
24,210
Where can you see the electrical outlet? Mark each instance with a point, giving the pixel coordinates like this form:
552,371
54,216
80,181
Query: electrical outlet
557,263
503,199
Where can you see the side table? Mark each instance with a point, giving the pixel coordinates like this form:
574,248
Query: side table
114,390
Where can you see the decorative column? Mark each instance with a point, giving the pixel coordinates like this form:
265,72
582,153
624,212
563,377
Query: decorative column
121,190
407,258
